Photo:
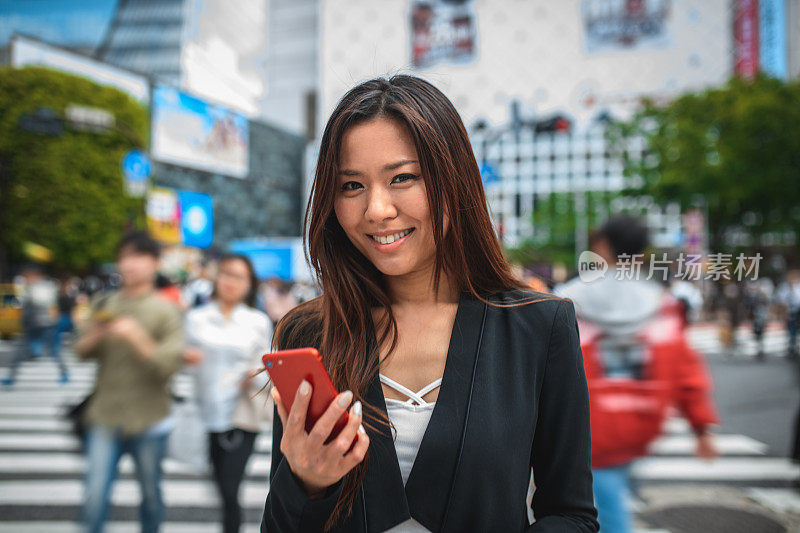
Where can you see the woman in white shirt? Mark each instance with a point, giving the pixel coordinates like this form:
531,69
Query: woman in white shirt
226,340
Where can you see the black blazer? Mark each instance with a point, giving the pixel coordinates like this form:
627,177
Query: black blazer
513,396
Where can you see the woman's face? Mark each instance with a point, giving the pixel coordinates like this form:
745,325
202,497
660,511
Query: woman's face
380,192
233,281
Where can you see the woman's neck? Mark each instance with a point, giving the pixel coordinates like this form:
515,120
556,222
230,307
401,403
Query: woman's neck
415,289
226,308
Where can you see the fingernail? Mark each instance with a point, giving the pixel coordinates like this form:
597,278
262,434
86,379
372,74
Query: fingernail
305,387
361,429
357,408
344,399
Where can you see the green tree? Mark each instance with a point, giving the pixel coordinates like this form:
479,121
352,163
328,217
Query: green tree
734,150
554,222
65,192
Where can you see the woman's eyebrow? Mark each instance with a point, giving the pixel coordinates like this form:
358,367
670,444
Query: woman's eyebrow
398,164
390,166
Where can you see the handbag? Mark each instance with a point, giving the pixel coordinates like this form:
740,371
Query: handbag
74,413
254,409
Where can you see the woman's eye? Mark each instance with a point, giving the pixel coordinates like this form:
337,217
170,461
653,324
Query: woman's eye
404,177
347,186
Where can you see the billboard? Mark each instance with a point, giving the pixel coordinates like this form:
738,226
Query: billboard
442,32
772,38
280,257
745,35
180,217
620,25
190,132
163,215
30,52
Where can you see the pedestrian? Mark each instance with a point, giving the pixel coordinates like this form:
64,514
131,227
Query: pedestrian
65,324
789,296
169,290
759,299
465,379
137,340
198,291
226,339
39,305
638,364
278,298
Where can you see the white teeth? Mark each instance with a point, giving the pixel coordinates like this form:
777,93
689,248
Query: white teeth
391,238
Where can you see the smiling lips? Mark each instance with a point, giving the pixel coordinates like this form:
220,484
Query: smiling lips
388,239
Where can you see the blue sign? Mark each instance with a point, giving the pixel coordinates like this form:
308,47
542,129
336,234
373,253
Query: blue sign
136,169
197,219
136,166
488,175
772,38
270,260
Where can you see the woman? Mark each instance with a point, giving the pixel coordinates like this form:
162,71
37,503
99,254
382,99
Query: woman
227,338
464,378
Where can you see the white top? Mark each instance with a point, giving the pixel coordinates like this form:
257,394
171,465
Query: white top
410,419
231,348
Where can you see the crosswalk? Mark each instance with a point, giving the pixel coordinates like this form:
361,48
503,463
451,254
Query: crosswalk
41,467
706,339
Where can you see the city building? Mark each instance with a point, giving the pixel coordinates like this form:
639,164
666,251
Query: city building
211,48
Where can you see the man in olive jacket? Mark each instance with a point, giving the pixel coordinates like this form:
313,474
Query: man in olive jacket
137,339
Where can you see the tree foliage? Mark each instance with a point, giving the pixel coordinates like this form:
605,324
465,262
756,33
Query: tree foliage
734,150
554,223
66,192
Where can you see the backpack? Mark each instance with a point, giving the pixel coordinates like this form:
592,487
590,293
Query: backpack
630,388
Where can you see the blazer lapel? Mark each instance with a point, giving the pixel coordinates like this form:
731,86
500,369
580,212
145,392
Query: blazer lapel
427,493
432,476
384,495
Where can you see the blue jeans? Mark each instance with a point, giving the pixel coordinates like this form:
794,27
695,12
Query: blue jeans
104,447
35,339
64,325
611,494
791,326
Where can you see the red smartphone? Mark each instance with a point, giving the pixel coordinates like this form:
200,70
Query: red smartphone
288,368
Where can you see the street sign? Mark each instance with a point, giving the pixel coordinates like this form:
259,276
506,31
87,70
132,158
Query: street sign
136,168
488,174
197,219
43,121
87,118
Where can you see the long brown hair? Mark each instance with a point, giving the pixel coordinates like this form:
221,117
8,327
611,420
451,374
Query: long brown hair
338,322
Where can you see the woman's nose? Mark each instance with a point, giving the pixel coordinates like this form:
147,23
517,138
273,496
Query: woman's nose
380,206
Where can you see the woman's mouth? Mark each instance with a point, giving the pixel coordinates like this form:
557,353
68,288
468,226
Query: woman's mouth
390,242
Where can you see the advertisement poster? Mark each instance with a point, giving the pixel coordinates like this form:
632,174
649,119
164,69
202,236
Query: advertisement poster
442,32
197,219
745,35
180,217
622,25
163,215
192,133
772,38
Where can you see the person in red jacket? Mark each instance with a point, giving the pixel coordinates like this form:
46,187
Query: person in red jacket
638,364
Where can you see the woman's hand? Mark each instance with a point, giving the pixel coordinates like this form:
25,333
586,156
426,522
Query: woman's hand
316,464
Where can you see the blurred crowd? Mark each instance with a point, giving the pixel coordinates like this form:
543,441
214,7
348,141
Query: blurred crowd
141,327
